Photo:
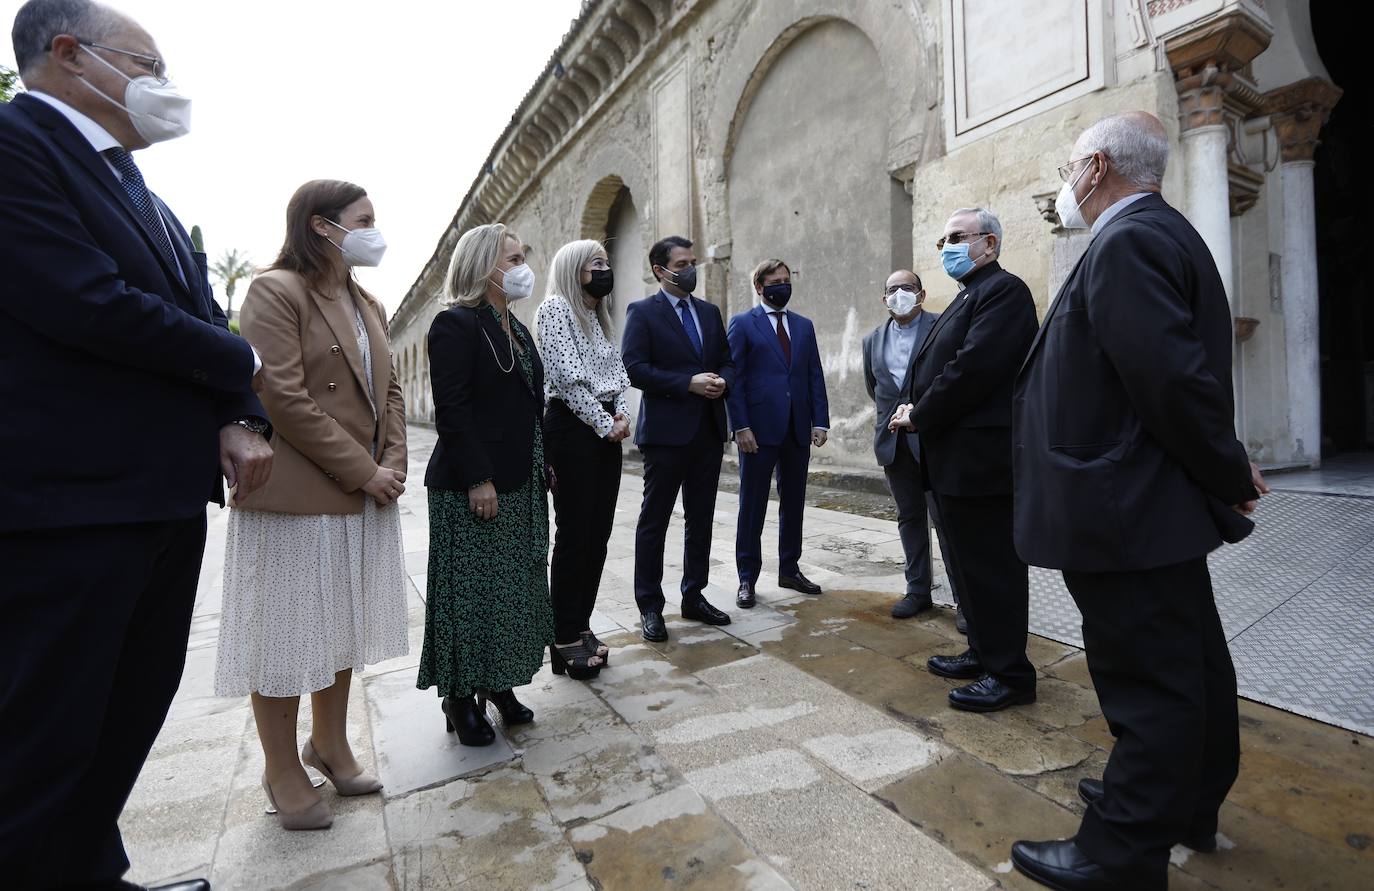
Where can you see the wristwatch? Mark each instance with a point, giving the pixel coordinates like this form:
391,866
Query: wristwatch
253,425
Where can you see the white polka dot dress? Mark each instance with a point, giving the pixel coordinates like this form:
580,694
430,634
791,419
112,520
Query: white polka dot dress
306,596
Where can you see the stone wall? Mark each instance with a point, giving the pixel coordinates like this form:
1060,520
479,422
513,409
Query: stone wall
817,131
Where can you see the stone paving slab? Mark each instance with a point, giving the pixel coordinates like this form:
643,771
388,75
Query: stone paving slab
803,746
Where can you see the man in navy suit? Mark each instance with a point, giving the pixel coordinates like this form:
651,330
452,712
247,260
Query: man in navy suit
126,397
779,410
676,353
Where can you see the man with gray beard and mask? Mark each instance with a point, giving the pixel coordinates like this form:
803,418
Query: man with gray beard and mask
888,353
126,398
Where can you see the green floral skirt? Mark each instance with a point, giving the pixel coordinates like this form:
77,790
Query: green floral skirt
488,617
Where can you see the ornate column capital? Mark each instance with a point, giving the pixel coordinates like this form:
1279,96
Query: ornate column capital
1211,66
1298,112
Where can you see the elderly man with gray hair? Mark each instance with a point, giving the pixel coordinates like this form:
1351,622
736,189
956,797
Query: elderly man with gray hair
1128,473
959,405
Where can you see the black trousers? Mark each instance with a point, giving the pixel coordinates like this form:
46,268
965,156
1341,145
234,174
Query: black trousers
916,513
1159,660
693,469
787,464
588,471
993,583
92,645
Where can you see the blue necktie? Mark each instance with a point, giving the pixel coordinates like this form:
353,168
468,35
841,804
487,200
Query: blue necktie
689,325
132,181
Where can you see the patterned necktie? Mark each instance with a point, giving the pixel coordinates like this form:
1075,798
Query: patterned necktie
689,325
132,181
783,340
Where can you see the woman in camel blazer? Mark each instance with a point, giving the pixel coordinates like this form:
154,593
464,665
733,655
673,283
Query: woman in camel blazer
314,571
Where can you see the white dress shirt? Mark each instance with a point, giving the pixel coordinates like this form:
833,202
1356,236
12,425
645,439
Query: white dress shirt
901,340
778,317
101,141
582,371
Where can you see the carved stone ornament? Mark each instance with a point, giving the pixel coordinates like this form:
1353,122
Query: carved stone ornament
1298,112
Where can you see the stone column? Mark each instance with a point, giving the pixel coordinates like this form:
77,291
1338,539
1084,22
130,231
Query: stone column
1298,112
1215,93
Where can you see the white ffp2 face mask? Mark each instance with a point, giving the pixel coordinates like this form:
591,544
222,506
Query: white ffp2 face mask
518,282
361,247
903,301
1070,209
157,110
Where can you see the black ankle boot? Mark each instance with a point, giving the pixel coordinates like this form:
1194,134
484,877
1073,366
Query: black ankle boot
462,715
512,710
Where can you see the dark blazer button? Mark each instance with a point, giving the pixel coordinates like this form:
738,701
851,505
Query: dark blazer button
333,387
335,350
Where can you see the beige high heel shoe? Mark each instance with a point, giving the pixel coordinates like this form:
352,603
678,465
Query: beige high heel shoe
362,784
317,816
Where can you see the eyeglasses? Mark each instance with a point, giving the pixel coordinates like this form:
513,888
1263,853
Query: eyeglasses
156,67
958,238
895,288
1066,172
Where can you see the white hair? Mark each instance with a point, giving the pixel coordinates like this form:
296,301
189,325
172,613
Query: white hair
1138,152
987,222
39,21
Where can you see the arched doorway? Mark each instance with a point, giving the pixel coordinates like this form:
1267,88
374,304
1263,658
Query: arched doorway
1344,241
807,182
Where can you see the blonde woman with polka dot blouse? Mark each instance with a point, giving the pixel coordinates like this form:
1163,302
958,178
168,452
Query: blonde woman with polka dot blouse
585,422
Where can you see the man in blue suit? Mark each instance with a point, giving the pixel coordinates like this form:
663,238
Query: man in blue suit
779,410
126,396
676,354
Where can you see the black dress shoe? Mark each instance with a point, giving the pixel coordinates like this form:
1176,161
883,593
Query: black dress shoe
910,605
964,666
185,885
988,695
1203,842
800,583
651,624
745,598
701,611
1061,865
960,623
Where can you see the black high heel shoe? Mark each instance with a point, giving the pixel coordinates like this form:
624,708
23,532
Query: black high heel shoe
462,716
595,646
574,661
512,710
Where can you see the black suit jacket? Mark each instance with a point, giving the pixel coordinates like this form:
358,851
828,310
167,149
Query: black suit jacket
116,371
1126,451
661,361
961,381
485,415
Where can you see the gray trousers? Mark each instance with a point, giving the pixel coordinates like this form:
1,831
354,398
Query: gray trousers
916,512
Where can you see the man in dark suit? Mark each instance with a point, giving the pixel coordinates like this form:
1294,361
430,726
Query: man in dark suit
126,396
960,405
1128,473
888,353
778,409
676,353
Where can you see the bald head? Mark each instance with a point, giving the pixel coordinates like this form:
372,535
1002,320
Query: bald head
1135,144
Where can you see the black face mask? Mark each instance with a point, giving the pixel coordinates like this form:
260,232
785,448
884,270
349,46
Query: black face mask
778,294
685,279
602,283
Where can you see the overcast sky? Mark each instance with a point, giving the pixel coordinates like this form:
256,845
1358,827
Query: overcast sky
403,97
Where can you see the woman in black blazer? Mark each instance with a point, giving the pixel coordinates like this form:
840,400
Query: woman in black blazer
487,612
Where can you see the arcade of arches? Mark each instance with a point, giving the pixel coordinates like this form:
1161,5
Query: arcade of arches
840,136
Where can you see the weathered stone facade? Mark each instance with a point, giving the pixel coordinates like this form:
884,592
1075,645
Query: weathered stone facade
839,136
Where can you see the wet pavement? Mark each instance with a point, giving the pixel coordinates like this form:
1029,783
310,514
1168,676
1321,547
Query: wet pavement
803,746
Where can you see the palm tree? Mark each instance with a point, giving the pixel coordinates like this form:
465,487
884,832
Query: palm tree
230,269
